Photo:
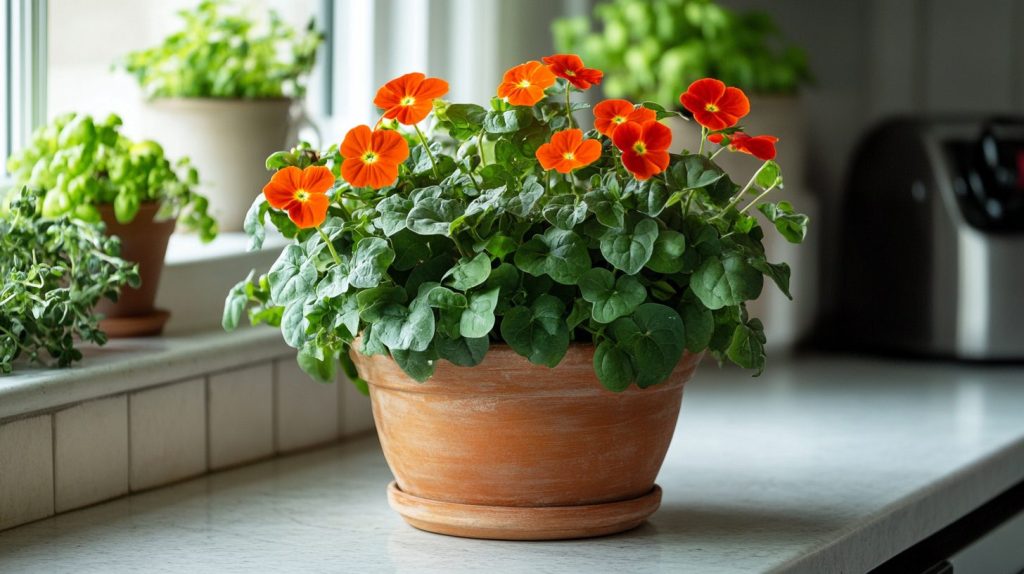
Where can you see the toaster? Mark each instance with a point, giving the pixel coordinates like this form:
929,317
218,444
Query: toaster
932,239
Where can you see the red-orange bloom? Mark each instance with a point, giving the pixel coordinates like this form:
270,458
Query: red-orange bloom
570,67
609,114
409,98
524,84
567,151
713,105
644,147
302,193
761,147
372,157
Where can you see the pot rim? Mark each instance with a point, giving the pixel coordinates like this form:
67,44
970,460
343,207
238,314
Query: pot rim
505,372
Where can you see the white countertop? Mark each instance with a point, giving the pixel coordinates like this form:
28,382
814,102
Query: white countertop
823,464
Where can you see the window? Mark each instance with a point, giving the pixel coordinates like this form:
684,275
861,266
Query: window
23,52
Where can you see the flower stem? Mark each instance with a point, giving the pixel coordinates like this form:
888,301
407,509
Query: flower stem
330,246
426,146
703,138
758,198
736,198
480,147
718,151
568,105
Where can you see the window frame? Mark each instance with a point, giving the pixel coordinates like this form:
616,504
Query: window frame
23,59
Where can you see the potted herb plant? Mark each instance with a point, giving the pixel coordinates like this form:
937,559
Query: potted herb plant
224,90
53,272
89,170
523,300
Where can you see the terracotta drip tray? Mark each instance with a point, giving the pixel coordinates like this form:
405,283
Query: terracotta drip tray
149,325
523,523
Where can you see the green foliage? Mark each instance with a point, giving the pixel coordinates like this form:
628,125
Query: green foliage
492,249
653,49
222,53
52,274
83,164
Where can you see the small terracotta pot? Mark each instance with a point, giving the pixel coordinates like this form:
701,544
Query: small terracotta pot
143,241
517,451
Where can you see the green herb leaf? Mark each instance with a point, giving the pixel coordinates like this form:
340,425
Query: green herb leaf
478,318
370,262
611,298
726,281
629,250
538,332
558,253
469,274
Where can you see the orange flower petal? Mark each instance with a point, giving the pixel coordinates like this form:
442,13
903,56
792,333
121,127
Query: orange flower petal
280,191
656,136
309,213
317,179
588,152
548,156
605,113
390,146
356,141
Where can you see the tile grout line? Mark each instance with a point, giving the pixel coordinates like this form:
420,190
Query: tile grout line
206,417
128,429
274,407
53,459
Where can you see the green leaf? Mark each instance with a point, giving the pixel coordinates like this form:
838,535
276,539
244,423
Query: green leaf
394,211
433,215
235,303
462,351
371,302
443,298
411,328
661,112
611,298
292,275
500,245
667,256
792,226
469,274
333,283
253,224
478,318
321,368
466,116
655,337
419,365
558,253
294,324
565,211
700,324
508,121
522,205
769,175
370,262
629,250
778,272
613,367
538,332
746,348
606,208
694,172
721,282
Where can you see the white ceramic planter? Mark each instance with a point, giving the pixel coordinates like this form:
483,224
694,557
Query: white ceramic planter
227,140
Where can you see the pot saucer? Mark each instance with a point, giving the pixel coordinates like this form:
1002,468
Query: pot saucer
523,523
148,325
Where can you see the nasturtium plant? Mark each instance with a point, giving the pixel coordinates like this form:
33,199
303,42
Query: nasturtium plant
507,224
652,49
81,164
52,274
221,52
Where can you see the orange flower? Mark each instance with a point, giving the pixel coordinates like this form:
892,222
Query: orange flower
524,84
610,113
570,67
372,157
713,105
409,98
302,193
761,147
644,147
567,151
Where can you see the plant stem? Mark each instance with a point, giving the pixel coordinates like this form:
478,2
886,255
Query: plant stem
426,146
330,245
703,137
718,151
568,105
758,198
480,147
736,198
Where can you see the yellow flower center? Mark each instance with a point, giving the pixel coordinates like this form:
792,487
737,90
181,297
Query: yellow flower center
407,101
711,108
569,155
640,148
619,120
369,157
301,195
570,73
524,84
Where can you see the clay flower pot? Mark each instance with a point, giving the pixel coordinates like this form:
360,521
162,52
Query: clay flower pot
516,451
143,241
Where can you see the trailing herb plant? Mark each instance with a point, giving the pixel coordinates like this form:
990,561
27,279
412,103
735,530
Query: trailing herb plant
82,164
652,49
510,225
222,53
53,272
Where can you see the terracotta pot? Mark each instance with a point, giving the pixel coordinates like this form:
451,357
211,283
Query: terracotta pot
227,140
143,241
513,450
